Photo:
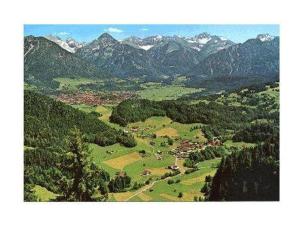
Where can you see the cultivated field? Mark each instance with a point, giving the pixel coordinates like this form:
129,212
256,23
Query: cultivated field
158,92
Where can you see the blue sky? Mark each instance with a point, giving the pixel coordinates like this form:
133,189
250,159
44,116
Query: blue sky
236,33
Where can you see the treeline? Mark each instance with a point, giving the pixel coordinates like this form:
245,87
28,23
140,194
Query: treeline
212,113
248,175
257,132
46,123
134,110
209,152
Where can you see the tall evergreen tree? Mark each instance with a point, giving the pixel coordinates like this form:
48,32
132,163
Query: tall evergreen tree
83,176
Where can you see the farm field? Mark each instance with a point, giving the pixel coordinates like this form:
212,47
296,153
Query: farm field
73,83
157,92
230,143
118,158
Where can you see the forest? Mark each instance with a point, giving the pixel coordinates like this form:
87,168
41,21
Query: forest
47,121
218,116
248,175
56,137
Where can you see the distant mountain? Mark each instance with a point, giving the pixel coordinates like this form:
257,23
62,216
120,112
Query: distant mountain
204,41
174,56
116,58
70,44
45,60
265,37
202,58
253,58
208,44
144,43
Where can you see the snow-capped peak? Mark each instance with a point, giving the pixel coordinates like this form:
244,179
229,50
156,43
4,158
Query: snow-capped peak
157,37
146,47
265,37
70,44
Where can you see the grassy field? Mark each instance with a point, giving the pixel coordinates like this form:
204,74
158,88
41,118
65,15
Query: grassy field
122,161
119,158
190,185
43,194
85,108
73,83
230,143
157,92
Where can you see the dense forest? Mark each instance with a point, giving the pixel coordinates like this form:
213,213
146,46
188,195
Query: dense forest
209,152
257,132
219,116
248,175
47,121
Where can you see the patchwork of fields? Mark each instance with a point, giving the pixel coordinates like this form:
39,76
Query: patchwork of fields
118,158
152,152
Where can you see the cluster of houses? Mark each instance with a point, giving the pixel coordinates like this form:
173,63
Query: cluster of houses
90,98
186,147
136,129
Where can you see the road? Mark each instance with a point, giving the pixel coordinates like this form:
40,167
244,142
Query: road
148,186
142,190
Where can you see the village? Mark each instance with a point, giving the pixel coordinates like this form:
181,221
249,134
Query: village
181,150
93,99
186,147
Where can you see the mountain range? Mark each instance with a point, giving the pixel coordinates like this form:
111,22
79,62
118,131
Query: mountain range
200,57
44,60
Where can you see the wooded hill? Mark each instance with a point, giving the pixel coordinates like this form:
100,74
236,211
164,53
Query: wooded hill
52,149
248,175
47,122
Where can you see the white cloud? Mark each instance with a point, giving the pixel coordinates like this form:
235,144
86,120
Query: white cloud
62,33
113,30
144,29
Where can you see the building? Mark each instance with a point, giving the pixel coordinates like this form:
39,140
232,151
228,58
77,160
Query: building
146,173
173,167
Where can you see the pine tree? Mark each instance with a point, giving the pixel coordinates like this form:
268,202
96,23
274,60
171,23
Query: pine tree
83,176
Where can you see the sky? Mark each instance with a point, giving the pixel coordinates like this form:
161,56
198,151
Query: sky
87,33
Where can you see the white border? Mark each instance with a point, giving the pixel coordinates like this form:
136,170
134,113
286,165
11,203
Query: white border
14,14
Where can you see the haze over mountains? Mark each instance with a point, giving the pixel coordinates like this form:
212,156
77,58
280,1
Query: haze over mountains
199,58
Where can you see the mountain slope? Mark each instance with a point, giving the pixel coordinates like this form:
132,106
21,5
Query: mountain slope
116,58
208,44
248,175
47,122
174,57
253,58
70,44
45,60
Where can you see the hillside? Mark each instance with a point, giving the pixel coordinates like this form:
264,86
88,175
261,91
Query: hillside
253,61
115,58
249,175
174,57
47,122
45,60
